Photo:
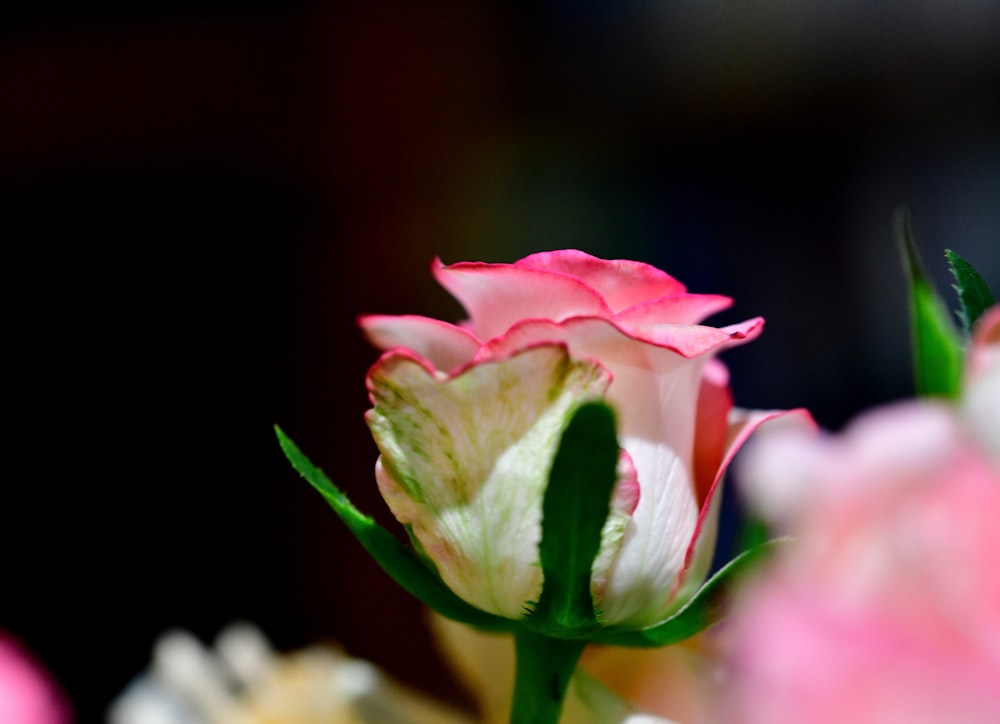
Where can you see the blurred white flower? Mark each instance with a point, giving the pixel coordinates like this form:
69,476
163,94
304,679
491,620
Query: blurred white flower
242,680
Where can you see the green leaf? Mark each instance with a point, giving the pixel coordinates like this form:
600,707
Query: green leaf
401,563
703,610
937,347
974,296
574,511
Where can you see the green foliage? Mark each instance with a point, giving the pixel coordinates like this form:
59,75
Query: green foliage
575,508
974,296
402,563
937,346
574,511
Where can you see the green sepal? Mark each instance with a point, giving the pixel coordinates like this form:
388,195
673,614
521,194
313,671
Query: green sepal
937,346
574,510
753,532
402,563
706,608
974,297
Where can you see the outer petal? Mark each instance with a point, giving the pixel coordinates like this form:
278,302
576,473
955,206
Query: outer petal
698,560
446,345
620,282
465,461
498,295
715,401
655,391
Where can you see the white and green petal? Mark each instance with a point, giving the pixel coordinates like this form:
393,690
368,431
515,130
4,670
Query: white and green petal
465,461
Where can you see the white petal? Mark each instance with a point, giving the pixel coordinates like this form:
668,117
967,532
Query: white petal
465,461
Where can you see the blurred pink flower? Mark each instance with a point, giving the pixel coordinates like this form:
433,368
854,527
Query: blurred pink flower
27,693
885,607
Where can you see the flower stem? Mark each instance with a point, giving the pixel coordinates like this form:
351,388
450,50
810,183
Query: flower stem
544,668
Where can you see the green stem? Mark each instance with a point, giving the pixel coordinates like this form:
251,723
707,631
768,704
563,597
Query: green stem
544,668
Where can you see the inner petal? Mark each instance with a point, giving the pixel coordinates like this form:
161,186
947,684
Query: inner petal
496,296
622,283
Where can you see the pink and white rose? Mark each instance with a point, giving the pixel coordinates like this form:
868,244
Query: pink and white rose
468,416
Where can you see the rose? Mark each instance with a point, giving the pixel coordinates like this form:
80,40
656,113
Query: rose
467,419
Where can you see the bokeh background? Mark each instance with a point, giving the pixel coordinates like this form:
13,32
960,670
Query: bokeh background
199,198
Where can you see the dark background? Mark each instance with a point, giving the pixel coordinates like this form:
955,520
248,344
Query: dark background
198,200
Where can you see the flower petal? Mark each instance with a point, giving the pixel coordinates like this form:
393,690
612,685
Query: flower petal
446,345
692,340
498,295
698,559
653,388
687,340
465,461
675,309
620,282
715,401
624,500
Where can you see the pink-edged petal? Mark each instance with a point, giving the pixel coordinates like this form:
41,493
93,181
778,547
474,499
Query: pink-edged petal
689,341
711,427
496,296
692,340
446,346
698,559
675,309
624,500
472,491
622,283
